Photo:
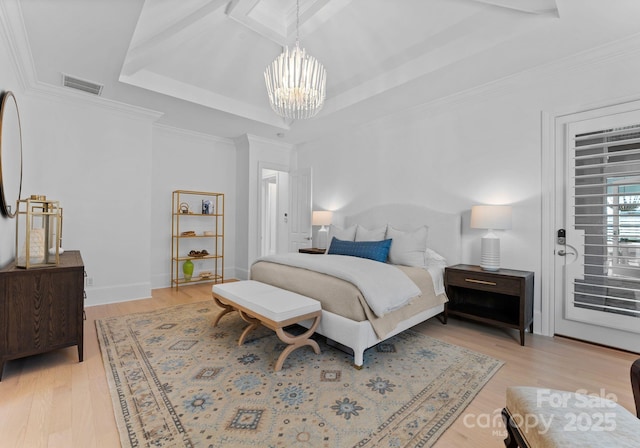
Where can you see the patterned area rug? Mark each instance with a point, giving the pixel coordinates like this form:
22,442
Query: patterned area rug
177,381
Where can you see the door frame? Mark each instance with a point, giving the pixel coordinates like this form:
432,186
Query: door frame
262,165
550,121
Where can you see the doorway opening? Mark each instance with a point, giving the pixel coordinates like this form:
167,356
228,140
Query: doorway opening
274,200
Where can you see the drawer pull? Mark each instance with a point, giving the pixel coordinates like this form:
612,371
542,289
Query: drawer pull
482,282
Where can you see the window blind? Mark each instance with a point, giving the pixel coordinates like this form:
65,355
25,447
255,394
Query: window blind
606,207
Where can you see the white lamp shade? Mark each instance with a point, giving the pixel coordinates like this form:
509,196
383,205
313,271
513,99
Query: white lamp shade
321,218
495,217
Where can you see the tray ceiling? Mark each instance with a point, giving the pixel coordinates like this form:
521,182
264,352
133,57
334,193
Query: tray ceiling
201,62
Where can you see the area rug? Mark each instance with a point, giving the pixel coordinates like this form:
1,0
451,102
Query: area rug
177,381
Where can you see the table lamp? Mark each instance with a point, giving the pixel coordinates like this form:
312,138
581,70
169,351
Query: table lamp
322,218
490,217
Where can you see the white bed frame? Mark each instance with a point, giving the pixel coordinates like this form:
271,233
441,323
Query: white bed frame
444,237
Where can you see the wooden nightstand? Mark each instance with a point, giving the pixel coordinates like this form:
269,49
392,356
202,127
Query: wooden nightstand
311,250
503,298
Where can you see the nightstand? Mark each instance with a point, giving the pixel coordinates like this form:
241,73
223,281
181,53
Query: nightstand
311,250
503,298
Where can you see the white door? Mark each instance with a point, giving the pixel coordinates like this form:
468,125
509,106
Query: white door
597,267
300,197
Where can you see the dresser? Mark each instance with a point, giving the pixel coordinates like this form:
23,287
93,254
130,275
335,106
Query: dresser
41,309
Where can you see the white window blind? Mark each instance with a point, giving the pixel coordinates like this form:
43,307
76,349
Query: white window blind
607,209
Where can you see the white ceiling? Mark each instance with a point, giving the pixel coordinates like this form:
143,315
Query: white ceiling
201,62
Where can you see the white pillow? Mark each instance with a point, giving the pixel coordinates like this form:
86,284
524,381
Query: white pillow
363,234
408,248
348,234
433,255
434,259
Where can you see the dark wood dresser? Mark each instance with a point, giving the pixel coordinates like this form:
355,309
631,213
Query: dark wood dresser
41,309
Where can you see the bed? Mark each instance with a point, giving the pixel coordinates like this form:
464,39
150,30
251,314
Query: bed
347,320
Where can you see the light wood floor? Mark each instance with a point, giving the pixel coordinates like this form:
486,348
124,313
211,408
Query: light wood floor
51,400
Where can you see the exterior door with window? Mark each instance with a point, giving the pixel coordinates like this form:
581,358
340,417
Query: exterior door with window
598,209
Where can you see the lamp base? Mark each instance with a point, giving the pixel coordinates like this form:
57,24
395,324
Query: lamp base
323,234
490,253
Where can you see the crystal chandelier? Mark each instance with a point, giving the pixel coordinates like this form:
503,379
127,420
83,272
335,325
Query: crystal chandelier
296,81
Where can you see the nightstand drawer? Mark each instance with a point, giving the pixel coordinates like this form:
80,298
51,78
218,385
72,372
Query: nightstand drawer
504,285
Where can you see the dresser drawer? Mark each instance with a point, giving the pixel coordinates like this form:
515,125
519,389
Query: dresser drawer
479,281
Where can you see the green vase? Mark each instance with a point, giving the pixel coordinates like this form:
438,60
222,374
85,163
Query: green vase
187,269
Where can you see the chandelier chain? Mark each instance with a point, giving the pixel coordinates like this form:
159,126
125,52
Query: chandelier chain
297,22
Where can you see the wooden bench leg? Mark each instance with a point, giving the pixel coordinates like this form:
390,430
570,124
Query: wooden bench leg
253,324
296,342
225,310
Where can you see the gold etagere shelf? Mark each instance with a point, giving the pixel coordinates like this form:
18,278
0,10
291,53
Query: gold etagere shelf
197,236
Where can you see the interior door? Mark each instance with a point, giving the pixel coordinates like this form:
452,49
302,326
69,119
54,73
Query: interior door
300,200
597,256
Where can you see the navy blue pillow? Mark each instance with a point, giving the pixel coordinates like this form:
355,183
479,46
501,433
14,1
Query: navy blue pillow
373,250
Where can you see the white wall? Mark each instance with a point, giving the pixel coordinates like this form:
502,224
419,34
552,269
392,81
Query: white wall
95,160
9,81
480,147
113,172
188,161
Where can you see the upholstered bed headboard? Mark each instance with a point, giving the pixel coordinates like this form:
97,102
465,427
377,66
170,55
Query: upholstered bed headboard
444,234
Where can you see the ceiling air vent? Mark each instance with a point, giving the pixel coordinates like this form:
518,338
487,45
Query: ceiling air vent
82,84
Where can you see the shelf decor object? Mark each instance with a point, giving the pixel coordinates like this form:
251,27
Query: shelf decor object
296,81
490,217
322,218
197,237
187,270
38,232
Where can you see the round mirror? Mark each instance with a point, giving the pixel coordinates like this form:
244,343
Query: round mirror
10,155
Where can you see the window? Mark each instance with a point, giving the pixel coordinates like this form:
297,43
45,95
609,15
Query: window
607,209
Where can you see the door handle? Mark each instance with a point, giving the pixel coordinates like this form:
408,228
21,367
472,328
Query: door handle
563,253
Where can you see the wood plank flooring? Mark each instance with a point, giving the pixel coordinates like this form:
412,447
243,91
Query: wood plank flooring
51,400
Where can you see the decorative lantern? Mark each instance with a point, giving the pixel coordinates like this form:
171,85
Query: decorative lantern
38,232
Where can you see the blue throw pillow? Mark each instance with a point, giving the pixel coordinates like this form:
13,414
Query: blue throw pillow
373,250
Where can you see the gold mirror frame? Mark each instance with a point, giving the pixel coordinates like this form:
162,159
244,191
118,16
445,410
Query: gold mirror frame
10,155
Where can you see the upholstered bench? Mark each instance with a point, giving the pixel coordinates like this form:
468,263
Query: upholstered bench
540,418
275,308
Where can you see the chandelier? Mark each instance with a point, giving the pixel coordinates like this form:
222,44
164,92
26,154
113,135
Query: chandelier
296,81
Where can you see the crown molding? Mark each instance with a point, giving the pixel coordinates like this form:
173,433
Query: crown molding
14,34
278,145
195,134
603,54
63,94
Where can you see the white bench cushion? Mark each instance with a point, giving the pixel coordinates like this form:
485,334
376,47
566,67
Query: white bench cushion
273,303
549,418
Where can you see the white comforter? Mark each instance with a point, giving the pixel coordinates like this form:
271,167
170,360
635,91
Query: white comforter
383,286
